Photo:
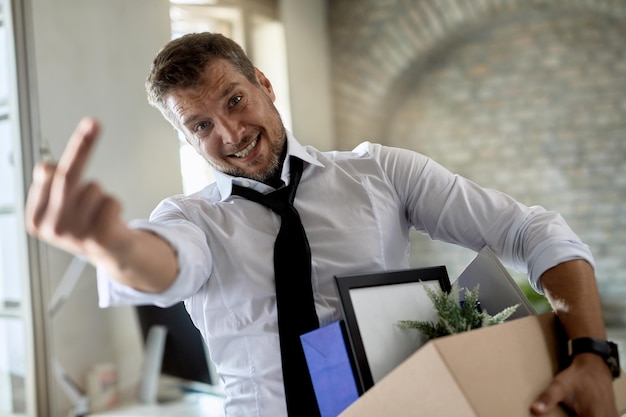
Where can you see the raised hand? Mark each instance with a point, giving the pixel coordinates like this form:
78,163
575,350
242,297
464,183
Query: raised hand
79,217
67,212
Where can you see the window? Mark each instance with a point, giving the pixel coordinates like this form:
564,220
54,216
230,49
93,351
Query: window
12,241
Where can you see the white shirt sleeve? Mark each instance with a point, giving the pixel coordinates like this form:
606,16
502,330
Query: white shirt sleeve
453,209
194,262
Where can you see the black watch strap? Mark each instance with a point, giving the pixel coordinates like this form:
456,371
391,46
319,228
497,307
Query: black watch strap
604,348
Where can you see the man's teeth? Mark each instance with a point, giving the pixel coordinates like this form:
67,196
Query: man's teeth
247,150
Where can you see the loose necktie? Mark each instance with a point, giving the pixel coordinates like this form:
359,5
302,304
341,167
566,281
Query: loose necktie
294,295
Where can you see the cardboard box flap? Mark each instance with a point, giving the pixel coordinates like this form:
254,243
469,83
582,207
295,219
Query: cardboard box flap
409,390
502,370
490,372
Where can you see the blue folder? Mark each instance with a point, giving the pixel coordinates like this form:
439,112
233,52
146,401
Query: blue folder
330,367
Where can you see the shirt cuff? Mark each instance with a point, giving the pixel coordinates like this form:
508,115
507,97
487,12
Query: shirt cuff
553,252
194,269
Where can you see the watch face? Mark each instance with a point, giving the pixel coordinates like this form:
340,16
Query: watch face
613,360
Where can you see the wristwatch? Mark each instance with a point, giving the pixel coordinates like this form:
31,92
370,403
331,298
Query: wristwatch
604,348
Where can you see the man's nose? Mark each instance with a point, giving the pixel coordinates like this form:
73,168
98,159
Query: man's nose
231,130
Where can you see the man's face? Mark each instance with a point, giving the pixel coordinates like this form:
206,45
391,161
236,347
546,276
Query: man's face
232,122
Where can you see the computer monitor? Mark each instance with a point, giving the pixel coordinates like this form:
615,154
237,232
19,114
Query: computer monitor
184,353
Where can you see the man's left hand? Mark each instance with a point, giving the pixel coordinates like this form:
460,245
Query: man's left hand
585,388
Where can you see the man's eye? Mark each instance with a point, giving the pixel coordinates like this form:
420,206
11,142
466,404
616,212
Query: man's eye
234,101
201,126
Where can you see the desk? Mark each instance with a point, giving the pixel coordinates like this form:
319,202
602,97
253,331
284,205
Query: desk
191,405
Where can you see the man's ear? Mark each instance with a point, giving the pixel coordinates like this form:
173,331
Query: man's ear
265,83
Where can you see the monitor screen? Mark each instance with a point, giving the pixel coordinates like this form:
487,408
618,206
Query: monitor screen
184,354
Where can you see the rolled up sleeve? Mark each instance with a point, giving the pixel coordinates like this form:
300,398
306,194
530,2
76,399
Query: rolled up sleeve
194,267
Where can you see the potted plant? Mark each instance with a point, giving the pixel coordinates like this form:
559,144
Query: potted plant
456,315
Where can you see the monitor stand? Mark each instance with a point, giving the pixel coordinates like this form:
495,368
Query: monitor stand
150,389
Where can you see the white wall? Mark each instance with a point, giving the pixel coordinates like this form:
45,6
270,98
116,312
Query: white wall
308,63
91,58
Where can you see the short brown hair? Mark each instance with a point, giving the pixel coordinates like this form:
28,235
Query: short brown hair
182,61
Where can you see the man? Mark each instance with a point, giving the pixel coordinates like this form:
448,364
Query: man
214,249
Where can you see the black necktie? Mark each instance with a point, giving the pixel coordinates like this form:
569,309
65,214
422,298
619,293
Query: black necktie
294,295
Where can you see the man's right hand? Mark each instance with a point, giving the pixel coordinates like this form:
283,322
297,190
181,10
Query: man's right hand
67,212
79,217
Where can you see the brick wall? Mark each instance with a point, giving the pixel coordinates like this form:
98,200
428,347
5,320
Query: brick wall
528,97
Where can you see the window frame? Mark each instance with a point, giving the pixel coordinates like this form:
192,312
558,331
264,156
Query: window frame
22,112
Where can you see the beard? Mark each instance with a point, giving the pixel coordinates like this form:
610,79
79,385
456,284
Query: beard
277,138
271,171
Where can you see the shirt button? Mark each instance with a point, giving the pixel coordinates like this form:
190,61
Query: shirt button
245,183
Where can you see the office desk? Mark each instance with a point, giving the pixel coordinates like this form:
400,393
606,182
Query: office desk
191,405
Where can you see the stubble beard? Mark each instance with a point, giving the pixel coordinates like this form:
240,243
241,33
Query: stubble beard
277,150
274,165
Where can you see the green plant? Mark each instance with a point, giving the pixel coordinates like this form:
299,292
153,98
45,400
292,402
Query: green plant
455,316
539,302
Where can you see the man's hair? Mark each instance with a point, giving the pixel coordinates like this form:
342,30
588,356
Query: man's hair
182,61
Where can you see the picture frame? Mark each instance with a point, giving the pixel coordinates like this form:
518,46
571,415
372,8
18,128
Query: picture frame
373,303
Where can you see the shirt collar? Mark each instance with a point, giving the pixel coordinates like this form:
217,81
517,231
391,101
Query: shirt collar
294,148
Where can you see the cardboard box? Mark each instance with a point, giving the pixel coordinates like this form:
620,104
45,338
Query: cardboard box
490,372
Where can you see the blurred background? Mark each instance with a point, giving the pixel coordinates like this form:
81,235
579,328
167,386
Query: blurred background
525,96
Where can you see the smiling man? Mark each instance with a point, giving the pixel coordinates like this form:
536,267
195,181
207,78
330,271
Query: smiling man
215,250
231,120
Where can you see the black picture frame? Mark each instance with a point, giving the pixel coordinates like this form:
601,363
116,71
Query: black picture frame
372,304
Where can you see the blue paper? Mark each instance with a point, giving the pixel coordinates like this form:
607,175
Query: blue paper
330,368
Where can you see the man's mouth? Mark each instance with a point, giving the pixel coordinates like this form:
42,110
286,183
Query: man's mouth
246,151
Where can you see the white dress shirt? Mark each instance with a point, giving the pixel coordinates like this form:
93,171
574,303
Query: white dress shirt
357,208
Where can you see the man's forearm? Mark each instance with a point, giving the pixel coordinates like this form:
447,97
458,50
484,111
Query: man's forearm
585,386
145,262
573,293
